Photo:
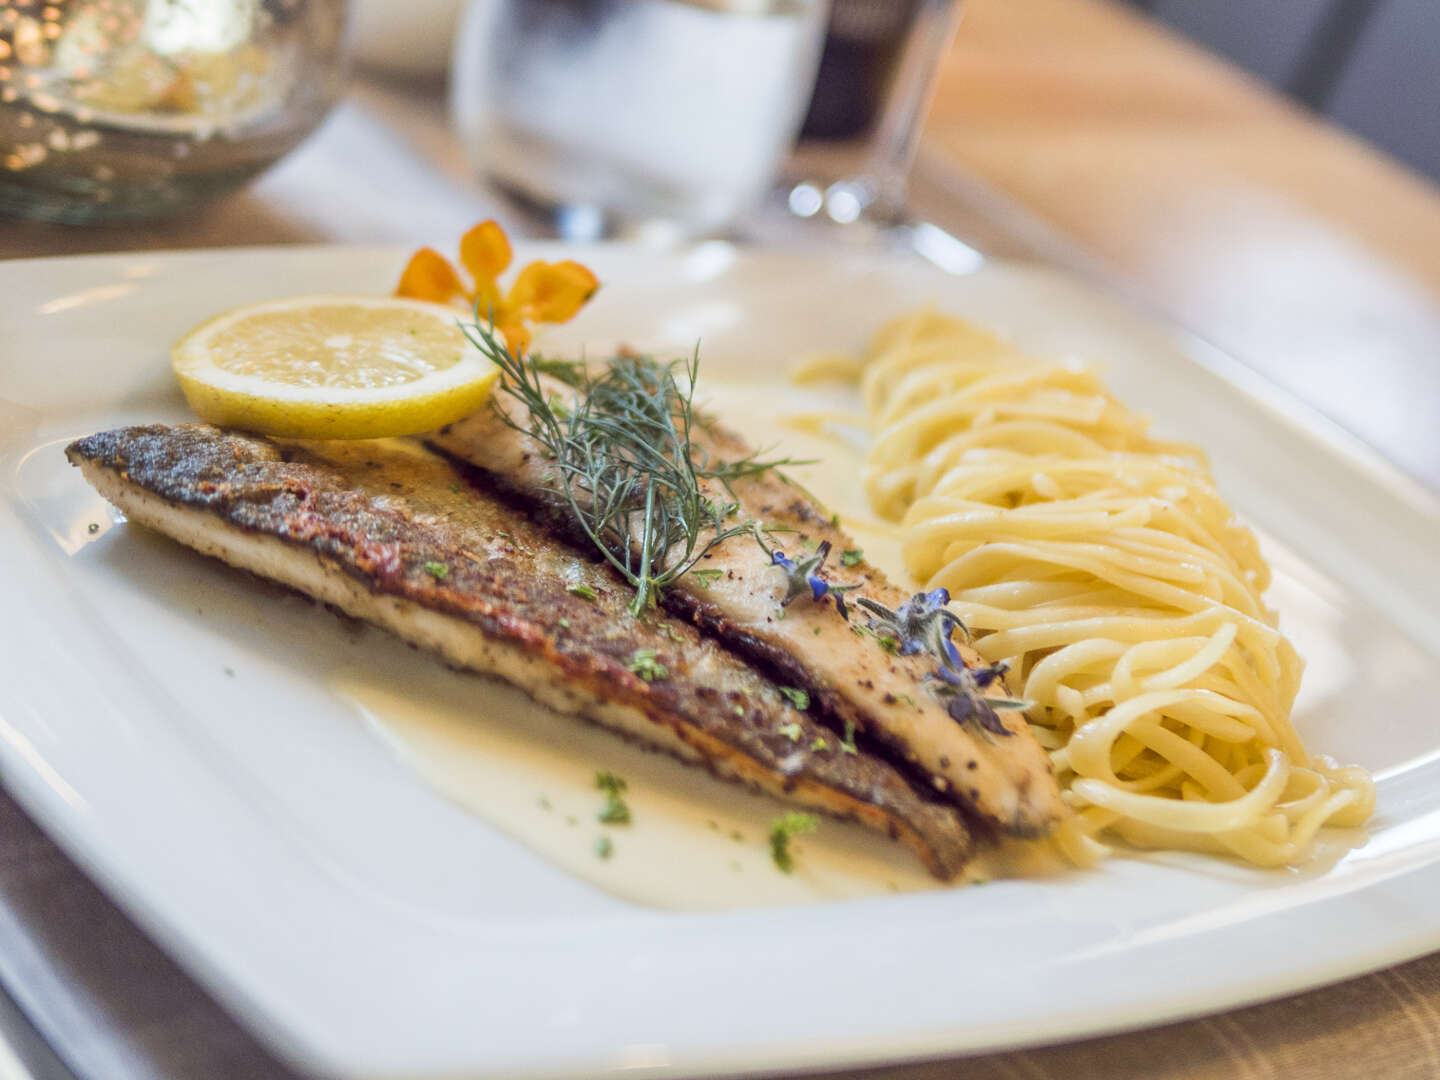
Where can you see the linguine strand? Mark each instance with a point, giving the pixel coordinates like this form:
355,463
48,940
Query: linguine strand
1104,567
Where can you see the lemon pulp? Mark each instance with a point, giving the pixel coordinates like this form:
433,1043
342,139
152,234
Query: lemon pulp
336,367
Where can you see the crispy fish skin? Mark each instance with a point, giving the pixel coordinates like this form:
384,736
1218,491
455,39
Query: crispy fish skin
393,535
1007,782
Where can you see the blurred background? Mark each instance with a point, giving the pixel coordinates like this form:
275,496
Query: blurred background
1260,172
1371,65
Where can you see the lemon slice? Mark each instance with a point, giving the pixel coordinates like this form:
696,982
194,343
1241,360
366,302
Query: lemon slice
333,367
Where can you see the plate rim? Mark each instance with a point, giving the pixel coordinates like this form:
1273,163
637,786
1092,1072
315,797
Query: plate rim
37,793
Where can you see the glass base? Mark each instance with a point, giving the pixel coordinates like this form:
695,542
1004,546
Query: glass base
81,203
585,223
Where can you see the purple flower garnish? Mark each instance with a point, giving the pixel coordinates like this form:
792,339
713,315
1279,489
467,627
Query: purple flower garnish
804,573
923,624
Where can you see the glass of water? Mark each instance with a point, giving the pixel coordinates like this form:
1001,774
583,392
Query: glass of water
606,113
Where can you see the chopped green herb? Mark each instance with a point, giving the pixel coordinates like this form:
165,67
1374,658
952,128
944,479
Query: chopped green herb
780,612
543,803
810,545
835,520
707,577
604,847
885,641
816,631
851,556
819,743
617,810
585,592
790,731
847,744
797,697
564,622
784,829
738,710
644,664
438,570
454,489
738,836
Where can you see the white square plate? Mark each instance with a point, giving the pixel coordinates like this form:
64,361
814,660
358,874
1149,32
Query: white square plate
365,927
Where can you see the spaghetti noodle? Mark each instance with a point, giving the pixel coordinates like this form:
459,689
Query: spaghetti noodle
1103,566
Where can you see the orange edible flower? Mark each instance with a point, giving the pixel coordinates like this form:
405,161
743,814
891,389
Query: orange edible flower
542,292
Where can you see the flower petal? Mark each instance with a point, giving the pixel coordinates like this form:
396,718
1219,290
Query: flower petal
485,252
515,331
429,276
552,292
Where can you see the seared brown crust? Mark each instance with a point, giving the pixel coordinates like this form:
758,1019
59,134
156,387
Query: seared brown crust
391,517
1002,783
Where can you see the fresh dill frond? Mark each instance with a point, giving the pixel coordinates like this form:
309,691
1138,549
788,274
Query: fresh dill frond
570,372
625,462
438,570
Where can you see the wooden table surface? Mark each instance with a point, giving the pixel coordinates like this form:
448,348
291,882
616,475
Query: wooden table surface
1285,241
1071,129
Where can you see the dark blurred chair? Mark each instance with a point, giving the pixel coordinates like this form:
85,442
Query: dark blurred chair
1371,65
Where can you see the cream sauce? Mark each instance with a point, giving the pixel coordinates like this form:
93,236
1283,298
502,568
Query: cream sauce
694,842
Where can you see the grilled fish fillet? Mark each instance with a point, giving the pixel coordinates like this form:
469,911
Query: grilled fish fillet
1005,781
392,534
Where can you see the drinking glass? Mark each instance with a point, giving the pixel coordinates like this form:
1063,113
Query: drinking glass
126,109
603,113
875,84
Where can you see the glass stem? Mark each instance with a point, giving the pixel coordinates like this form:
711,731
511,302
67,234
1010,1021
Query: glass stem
897,136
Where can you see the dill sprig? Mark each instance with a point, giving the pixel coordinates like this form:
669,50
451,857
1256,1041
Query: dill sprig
625,463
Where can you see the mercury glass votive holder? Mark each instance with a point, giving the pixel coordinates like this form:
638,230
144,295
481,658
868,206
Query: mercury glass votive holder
114,110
